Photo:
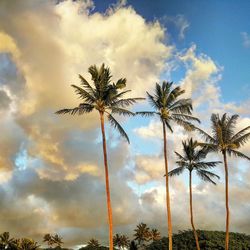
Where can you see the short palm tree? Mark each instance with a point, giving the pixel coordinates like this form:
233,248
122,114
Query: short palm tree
93,243
142,234
28,244
121,241
6,241
48,238
155,235
226,141
106,98
193,160
57,240
170,109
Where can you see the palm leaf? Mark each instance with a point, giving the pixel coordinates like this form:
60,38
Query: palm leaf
176,171
207,176
121,111
117,126
237,154
84,94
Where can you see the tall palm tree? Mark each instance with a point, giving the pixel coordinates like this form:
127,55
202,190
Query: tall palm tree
193,160
106,98
142,234
170,109
226,141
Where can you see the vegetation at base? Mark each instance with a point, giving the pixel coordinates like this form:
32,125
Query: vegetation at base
183,240
209,240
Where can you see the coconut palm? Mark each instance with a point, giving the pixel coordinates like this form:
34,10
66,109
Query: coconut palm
27,244
170,109
155,235
57,240
93,243
5,241
48,238
106,98
226,141
142,234
121,241
193,160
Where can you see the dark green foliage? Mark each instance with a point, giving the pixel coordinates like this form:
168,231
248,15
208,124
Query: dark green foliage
209,240
93,248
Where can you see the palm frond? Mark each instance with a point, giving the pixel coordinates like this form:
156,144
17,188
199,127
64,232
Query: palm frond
176,171
146,113
117,126
183,106
207,176
185,124
121,111
86,85
240,133
181,157
81,109
237,154
186,117
240,141
206,136
207,164
168,125
153,102
126,102
84,94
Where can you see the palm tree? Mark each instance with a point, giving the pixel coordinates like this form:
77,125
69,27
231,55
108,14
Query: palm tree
142,233
106,98
93,243
5,241
224,140
49,239
170,109
27,244
121,241
57,240
193,160
155,235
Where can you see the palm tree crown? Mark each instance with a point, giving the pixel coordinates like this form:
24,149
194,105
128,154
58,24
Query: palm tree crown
104,96
171,109
193,159
223,138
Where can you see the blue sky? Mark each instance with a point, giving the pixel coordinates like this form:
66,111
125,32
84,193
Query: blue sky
215,26
52,165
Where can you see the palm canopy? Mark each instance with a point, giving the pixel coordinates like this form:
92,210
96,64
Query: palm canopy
169,107
103,96
223,137
193,159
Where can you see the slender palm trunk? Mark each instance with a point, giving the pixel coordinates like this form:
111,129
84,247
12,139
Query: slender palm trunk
170,245
191,210
107,183
227,202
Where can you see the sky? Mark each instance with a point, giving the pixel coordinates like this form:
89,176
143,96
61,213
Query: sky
51,167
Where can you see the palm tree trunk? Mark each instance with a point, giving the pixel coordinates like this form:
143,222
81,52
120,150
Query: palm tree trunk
227,202
107,182
170,245
191,211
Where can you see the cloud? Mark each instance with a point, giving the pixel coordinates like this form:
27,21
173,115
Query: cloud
246,39
52,166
